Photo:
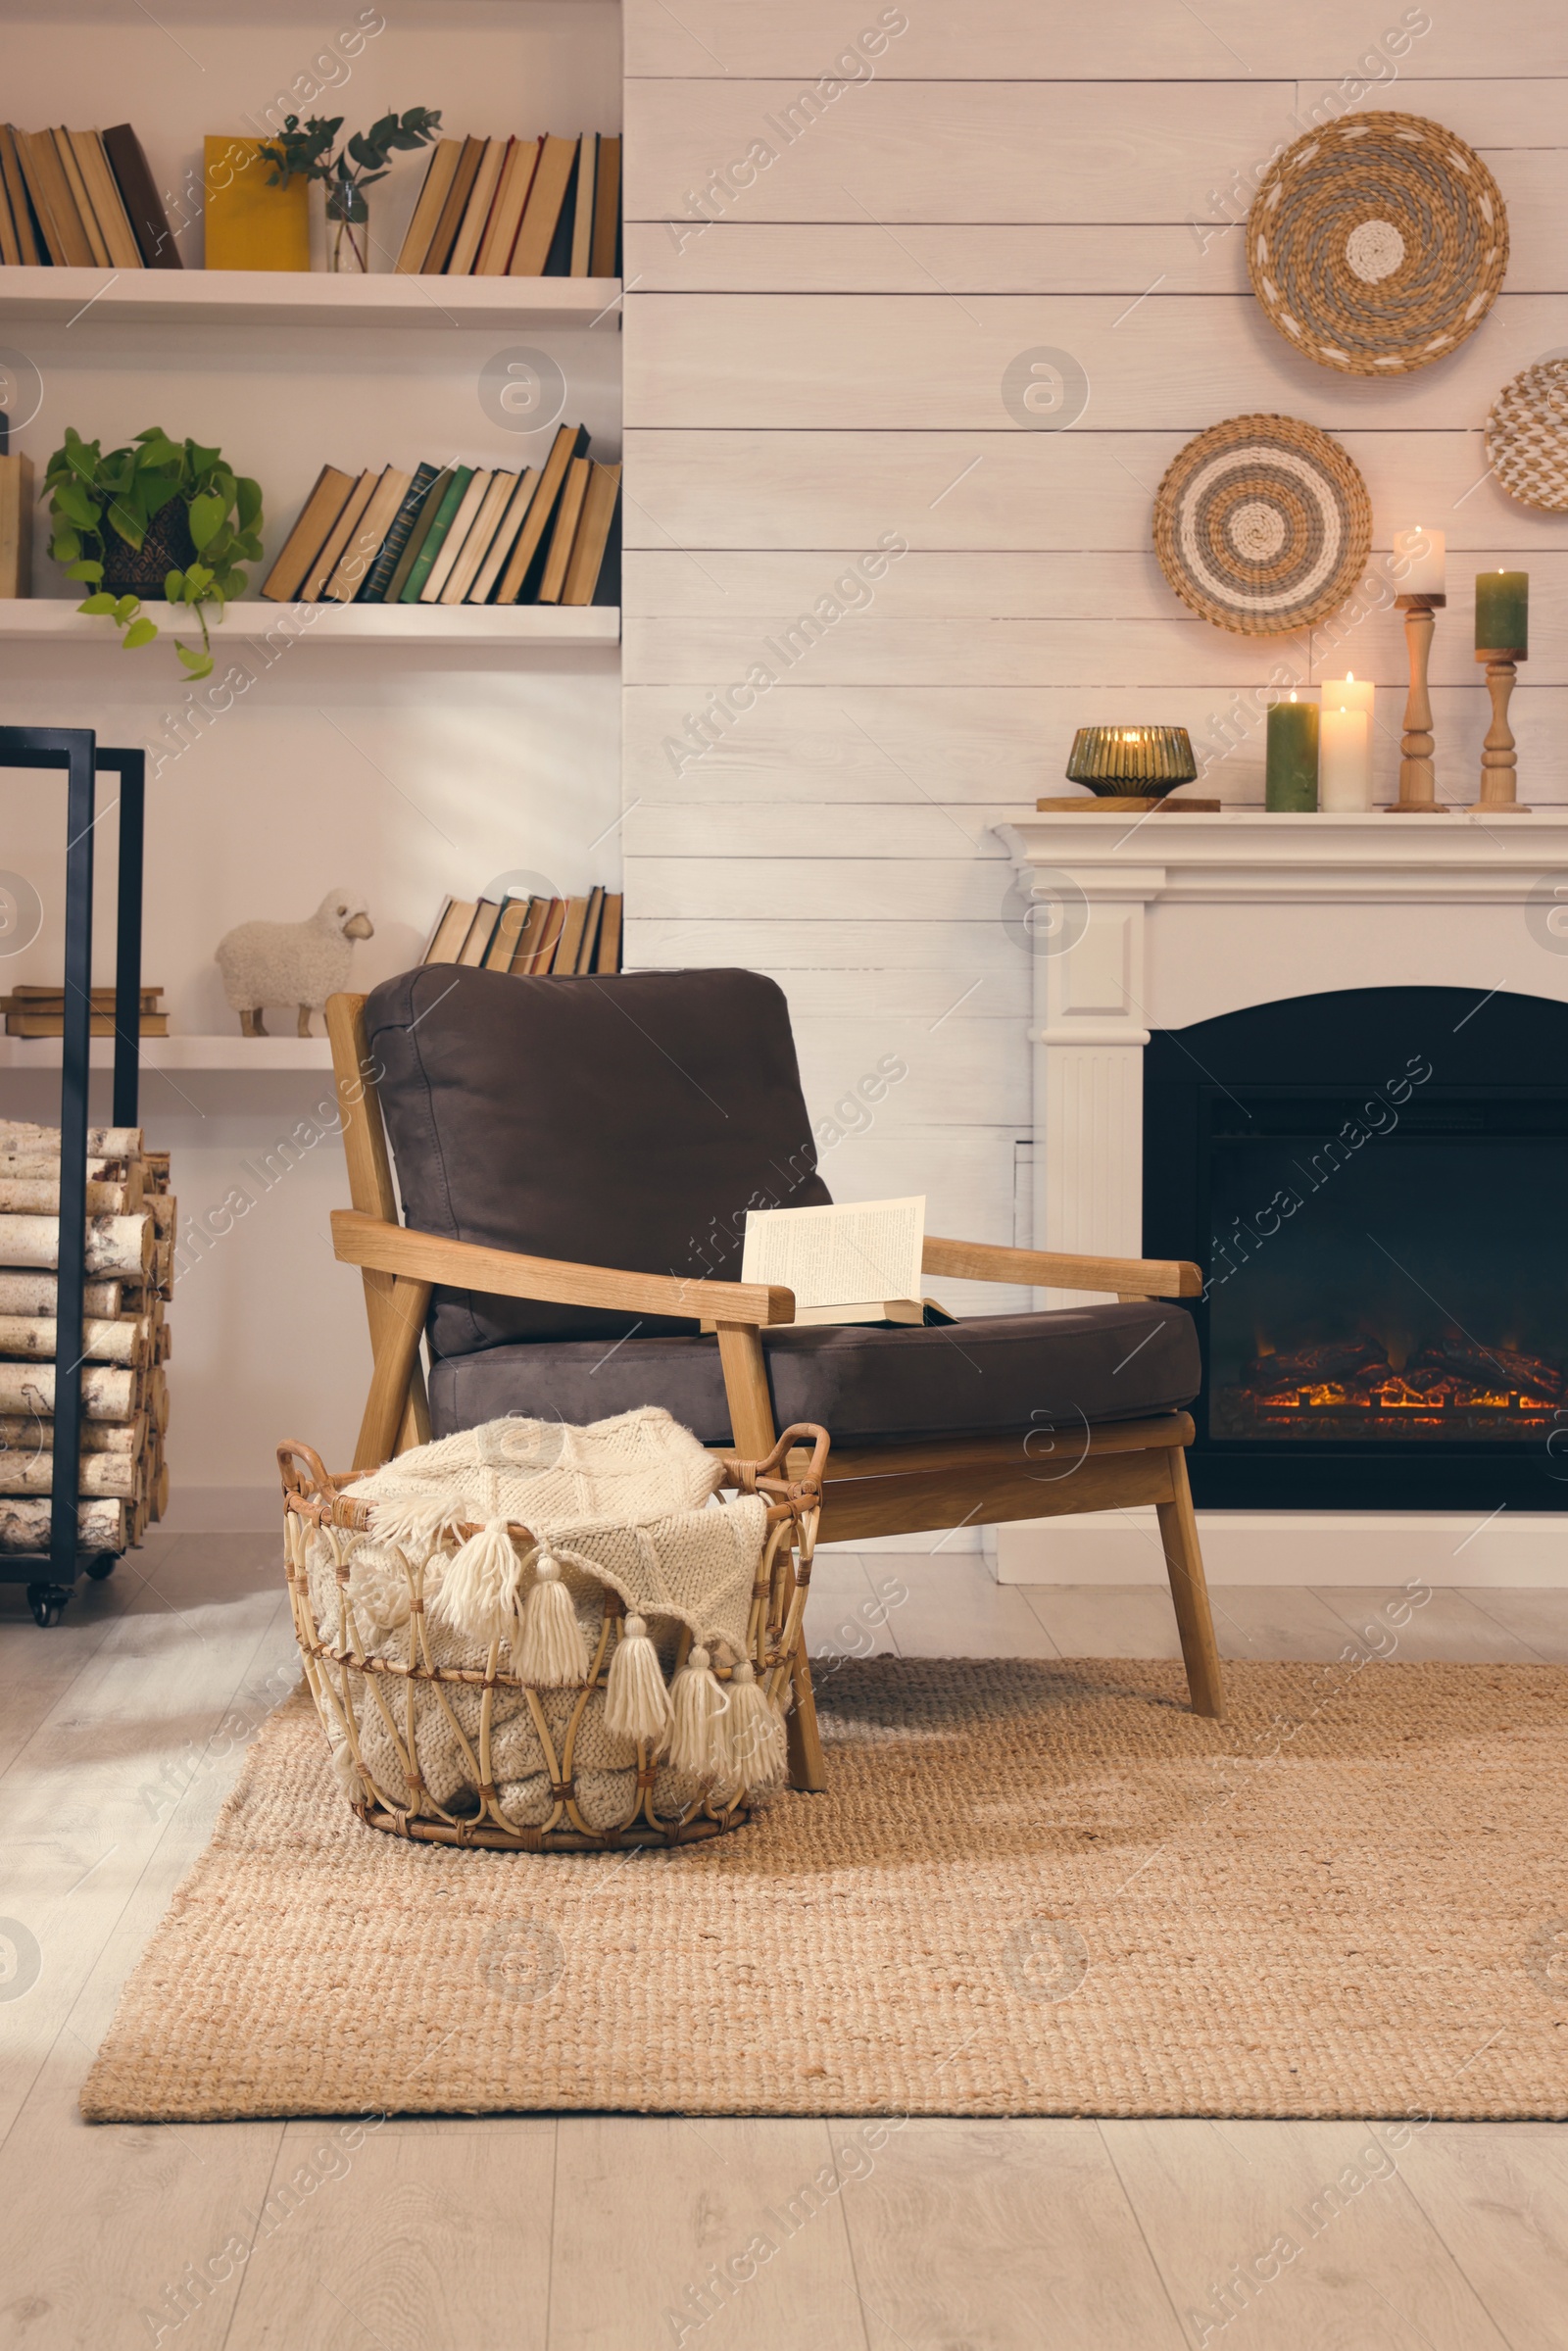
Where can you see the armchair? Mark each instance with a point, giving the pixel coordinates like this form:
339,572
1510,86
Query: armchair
543,1126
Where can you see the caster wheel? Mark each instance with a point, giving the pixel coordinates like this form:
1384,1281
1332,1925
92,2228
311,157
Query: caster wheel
47,1602
101,1564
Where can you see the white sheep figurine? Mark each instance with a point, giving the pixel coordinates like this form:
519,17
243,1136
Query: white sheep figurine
292,962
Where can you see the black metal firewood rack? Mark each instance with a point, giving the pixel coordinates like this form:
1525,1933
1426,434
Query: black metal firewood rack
51,1576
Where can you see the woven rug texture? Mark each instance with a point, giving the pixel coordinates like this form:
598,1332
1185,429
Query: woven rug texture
1033,1889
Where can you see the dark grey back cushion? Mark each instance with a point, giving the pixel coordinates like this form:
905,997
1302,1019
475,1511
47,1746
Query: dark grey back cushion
628,1121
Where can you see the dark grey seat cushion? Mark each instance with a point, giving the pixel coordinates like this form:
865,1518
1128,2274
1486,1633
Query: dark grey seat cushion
985,1373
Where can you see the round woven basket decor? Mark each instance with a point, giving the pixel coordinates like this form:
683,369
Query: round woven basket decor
1526,436
1378,243
1263,525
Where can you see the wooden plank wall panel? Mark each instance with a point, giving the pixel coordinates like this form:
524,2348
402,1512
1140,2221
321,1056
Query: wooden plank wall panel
1338,44
839,235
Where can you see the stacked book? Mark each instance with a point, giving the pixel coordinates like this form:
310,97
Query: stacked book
518,208
122,1478
41,1012
81,199
532,937
459,535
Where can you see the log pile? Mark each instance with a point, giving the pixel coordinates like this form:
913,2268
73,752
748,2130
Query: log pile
122,1481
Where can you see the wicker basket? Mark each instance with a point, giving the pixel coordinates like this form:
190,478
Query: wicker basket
390,1705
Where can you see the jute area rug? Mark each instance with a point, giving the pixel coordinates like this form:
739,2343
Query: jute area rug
1033,1890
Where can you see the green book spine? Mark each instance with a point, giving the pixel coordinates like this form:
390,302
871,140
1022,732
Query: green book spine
421,523
440,524
397,538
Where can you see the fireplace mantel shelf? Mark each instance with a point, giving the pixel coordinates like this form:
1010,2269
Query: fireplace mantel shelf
1248,855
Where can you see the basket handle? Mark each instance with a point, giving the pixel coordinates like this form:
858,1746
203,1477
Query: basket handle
315,1478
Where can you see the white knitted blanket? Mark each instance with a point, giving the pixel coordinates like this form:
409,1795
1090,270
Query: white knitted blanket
630,1499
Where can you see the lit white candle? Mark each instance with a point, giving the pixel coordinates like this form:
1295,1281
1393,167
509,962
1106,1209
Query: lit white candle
1344,766
1354,693
1421,567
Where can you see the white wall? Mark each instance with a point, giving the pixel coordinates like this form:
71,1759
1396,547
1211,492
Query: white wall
823,364
405,776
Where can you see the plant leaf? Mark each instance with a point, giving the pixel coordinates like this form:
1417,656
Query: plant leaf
197,664
85,570
103,602
71,499
126,608
207,519
248,500
141,632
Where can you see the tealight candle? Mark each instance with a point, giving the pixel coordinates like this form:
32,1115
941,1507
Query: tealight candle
1291,774
1421,568
1343,772
1502,611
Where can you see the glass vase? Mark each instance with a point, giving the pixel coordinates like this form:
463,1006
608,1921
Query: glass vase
348,247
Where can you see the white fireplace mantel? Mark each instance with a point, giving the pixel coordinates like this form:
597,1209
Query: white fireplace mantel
1155,923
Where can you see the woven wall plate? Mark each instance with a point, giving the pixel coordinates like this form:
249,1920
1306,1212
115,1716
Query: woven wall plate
1526,436
1262,526
1377,244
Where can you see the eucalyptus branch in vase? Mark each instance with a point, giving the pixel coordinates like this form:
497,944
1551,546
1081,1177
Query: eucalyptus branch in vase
310,151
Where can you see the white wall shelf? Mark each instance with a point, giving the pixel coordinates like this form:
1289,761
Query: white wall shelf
43,618
301,298
182,1053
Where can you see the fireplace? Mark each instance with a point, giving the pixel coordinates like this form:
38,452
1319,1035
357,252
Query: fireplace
1375,1182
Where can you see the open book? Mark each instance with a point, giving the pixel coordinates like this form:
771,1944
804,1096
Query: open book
856,1263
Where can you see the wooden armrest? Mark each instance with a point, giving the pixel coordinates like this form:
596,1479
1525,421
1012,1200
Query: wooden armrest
369,1241
1129,1277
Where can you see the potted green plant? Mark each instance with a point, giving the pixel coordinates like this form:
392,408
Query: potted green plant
310,150
157,515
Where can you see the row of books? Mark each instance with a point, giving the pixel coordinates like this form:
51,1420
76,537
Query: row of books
79,199
518,208
561,937
41,1012
457,534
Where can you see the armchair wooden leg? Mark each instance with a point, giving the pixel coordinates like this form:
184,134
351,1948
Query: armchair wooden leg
808,1767
1184,1562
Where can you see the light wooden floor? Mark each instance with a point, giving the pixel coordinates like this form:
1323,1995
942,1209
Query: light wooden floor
120,1733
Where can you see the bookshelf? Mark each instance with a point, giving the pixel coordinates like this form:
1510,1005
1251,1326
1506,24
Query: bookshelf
254,1054
411,752
51,620
204,298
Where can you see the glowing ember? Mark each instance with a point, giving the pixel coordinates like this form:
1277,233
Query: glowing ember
1455,1388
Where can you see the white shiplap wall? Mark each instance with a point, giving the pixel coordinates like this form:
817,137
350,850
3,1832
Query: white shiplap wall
821,365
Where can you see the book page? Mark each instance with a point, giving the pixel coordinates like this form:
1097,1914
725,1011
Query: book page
838,1257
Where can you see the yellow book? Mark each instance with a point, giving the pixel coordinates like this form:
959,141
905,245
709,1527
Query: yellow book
250,226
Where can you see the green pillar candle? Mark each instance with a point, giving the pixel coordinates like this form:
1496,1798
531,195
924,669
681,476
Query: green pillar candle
1290,781
1502,611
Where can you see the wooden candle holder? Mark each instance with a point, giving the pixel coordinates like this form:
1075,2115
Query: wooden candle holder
1500,758
1418,794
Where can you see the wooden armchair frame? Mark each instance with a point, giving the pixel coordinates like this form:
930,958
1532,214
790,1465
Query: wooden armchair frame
902,1488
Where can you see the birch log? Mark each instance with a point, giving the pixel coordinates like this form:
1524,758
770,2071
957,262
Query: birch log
24,1526
112,1143
97,1474
47,1163
106,1393
39,1195
126,1340
34,1432
36,1293
115,1243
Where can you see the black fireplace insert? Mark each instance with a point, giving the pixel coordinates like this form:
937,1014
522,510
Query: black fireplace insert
1374,1183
